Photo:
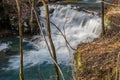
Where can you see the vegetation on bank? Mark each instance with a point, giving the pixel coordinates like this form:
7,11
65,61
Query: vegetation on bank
101,58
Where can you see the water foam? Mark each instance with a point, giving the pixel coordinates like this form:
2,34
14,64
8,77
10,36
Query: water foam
78,27
4,46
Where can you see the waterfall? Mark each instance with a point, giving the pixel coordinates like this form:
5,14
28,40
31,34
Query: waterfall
77,26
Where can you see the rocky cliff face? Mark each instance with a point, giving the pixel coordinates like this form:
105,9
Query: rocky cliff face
9,19
5,27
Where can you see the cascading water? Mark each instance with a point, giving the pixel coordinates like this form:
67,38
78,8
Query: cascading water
77,26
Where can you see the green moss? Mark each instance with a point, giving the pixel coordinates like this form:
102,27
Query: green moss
108,22
78,62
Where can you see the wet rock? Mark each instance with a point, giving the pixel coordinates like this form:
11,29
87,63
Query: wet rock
2,54
3,60
26,27
51,10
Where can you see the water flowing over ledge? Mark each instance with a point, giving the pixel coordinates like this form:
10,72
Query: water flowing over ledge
77,26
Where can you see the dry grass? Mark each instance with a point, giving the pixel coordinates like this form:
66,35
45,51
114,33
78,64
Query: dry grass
100,58
113,15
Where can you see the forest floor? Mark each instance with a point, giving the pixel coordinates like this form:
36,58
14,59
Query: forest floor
100,57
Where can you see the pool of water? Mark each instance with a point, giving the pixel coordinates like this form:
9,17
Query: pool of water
39,71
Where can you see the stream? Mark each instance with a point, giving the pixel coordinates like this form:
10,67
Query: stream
77,26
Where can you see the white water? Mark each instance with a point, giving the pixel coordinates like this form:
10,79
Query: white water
79,27
4,46
91,0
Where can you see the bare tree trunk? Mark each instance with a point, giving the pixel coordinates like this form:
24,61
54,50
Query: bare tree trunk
102,11
50,39
20,34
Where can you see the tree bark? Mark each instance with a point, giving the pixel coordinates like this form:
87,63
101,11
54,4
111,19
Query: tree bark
50,39
102,11
20,34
